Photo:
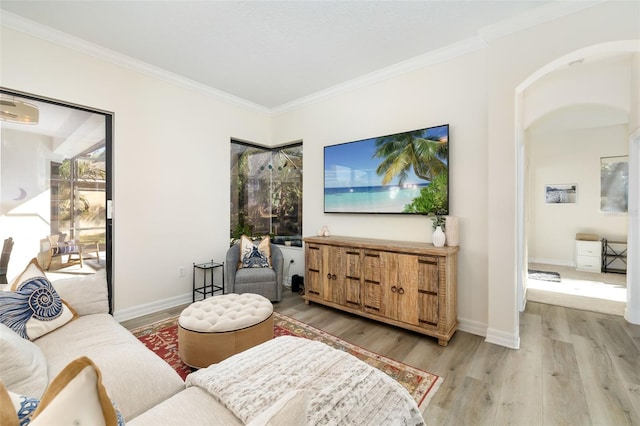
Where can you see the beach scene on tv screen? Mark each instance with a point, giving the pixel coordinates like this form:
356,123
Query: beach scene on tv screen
400,173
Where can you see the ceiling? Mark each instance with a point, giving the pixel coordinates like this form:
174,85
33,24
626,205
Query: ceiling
70,130
272,53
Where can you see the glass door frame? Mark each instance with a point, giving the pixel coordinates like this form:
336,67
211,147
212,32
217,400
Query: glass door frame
108,138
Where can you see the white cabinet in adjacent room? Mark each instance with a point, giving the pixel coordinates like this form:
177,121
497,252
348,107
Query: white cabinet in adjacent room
588,256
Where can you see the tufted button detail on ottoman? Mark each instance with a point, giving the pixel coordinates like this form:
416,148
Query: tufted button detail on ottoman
216,328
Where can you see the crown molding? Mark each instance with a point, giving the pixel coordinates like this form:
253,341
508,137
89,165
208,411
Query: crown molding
537,16
431,58
545,13
35,29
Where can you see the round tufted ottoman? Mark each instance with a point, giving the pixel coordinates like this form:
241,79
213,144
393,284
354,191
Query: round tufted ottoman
213,329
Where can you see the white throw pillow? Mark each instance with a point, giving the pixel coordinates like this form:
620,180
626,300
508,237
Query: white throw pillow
23,366
32,307
86,294
289,410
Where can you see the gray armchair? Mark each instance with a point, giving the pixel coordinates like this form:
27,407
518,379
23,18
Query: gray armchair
266,282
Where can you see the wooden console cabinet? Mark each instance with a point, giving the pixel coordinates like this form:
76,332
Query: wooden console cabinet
407,284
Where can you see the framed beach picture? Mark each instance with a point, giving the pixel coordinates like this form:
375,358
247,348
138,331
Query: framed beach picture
614,184
562,193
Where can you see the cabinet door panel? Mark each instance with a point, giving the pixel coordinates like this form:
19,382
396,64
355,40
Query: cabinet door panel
407,294
371,265
334,288
428,274
313,259
428,304
389,285
400,287
352,278
352,264
312,283
372,297
352,292
428,284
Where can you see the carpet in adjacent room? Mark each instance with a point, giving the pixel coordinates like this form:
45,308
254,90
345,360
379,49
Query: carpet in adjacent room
544,276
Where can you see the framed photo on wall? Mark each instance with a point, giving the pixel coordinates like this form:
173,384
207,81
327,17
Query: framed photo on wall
614,184
561,193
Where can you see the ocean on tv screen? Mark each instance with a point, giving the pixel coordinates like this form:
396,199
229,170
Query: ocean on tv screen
371,199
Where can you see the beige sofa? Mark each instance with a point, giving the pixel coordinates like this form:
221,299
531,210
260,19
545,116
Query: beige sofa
147,391
135,377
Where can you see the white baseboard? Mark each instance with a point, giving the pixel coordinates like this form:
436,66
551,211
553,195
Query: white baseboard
569,263
150,308
501,338
632,317
491,336
473,327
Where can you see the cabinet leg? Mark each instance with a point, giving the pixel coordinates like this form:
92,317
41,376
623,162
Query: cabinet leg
443,342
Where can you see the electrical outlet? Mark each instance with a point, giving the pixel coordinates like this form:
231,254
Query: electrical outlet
180,271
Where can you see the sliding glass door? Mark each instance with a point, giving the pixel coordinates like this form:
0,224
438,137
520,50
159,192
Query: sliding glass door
54,185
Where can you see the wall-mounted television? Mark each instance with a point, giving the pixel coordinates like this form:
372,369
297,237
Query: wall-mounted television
400,173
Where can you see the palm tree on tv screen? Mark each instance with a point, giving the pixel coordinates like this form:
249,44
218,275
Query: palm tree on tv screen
404,151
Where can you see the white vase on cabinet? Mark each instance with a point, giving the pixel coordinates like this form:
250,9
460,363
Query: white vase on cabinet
438,237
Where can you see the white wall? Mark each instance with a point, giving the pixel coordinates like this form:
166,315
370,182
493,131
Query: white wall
25,165
171,163
293,263
571,157
602,83
452,92
634,116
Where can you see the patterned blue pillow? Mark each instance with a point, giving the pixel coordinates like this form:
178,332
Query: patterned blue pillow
25,406
33,308
252,256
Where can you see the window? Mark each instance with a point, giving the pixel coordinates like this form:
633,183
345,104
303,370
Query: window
266,192
80,182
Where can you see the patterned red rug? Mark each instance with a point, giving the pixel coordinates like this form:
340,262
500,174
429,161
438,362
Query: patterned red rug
162,338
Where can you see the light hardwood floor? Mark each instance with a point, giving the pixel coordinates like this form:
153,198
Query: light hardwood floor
574,367
599,292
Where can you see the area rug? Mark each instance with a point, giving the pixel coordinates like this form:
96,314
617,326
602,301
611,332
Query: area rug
162,338
544,276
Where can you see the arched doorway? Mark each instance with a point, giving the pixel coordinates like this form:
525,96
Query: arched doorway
523,196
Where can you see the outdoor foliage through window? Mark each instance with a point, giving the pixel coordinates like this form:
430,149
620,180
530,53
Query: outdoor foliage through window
80,182
266,192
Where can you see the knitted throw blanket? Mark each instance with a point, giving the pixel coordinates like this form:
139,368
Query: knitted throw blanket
341,388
